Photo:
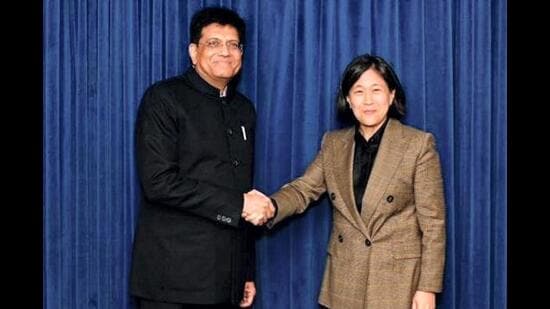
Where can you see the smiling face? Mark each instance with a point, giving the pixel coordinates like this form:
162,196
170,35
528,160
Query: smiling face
370,99
216,65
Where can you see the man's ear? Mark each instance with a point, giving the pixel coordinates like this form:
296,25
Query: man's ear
192,49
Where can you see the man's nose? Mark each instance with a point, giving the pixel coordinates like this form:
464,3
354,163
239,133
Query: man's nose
224,49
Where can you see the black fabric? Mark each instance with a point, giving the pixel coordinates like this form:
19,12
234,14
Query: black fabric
151,304
195,160
363,160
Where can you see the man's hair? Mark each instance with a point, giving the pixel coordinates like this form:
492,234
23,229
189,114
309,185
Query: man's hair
353,72
218,15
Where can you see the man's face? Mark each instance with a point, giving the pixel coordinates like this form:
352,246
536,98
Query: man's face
215,57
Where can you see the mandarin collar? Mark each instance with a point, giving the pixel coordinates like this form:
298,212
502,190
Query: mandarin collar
203,86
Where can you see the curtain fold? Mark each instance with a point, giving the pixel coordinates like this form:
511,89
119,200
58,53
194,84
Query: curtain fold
99,57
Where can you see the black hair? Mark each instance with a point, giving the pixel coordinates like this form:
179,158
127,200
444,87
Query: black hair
353,72
218,15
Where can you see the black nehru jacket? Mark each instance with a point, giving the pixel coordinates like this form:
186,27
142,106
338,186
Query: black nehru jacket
195,159
363,160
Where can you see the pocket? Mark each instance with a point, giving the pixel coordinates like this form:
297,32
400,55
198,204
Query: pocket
407,250
343,242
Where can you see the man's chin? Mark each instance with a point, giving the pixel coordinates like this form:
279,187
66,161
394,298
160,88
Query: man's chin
225,75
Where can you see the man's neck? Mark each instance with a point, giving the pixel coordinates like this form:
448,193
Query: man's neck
220,84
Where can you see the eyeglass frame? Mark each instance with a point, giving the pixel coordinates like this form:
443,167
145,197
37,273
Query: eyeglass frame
220,43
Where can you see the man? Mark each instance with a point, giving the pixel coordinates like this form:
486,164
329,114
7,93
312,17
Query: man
195,142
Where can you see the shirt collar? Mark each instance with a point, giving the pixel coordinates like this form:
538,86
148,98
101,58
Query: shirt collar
375,138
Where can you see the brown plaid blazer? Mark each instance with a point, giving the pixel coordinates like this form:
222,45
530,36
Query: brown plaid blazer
377,258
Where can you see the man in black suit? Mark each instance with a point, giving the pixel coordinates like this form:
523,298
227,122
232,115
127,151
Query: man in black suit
195,143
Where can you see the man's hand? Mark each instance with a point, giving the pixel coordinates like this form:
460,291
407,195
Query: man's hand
257,208
248,295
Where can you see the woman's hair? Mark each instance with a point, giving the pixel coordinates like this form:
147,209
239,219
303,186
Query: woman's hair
353,72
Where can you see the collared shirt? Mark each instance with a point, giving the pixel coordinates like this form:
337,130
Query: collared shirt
363,160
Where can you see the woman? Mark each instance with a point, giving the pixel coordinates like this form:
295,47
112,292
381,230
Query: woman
387,246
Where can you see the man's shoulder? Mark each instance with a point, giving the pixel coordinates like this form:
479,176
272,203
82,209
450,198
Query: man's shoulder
244,103
167,84
162,93
241,98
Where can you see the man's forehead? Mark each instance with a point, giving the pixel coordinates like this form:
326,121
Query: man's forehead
215,28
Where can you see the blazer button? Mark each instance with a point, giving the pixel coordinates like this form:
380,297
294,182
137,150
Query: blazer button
229,132
333,196
367,243
340,238
389,198
235,163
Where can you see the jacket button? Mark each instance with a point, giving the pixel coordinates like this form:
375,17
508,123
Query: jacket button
235,163
367,243
333,196
340,238
229,132
389,198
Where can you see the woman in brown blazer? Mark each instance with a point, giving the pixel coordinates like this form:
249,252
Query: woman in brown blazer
387,246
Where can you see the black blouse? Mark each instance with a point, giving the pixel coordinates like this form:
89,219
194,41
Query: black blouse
363,160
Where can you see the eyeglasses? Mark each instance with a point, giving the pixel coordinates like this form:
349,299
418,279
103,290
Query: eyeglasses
216,44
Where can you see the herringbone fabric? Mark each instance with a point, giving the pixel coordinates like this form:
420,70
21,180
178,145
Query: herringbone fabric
377,258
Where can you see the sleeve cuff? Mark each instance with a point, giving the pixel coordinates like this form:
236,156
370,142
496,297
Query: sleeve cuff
270,223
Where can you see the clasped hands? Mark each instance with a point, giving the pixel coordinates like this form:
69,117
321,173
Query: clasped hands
258,208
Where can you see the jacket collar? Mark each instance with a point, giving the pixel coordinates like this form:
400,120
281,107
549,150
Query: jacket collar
198,83
390,153
387,162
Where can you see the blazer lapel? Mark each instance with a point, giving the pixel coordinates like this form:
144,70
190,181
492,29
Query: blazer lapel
343,173
390,154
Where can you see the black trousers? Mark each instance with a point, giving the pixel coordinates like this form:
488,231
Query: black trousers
151,304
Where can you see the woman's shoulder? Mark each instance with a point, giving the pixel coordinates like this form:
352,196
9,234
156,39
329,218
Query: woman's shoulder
411,130
339,133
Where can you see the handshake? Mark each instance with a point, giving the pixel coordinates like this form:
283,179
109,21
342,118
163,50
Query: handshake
258,208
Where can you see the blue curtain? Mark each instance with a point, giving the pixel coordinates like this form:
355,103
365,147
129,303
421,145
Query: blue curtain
99,56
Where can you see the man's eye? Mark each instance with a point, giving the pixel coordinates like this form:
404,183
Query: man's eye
213,43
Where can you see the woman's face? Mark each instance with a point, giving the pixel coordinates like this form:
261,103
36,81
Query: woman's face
370,100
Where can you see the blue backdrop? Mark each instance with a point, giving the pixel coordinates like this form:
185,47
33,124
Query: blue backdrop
99,56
